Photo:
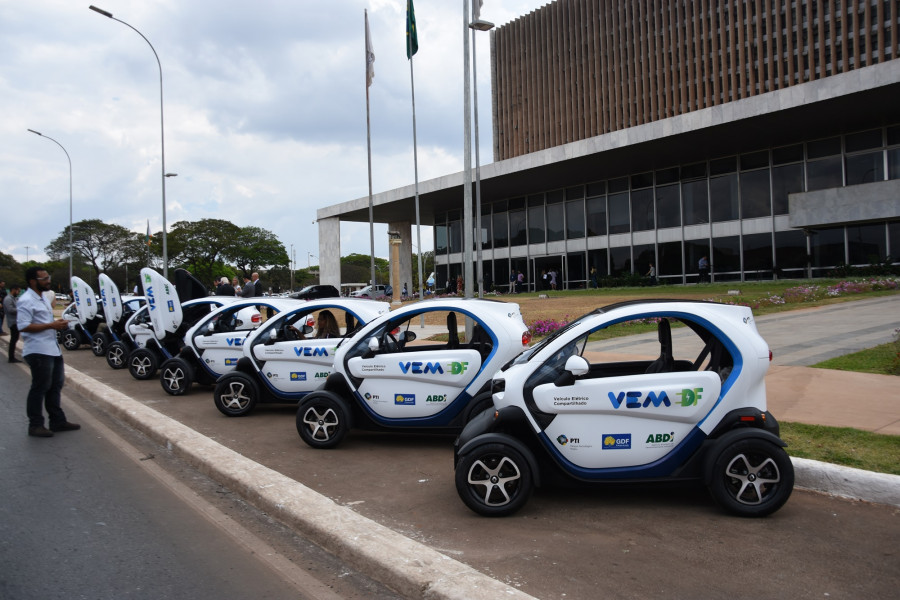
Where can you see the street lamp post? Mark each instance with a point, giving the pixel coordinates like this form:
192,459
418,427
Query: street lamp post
476,25
70,197
467,160
161,135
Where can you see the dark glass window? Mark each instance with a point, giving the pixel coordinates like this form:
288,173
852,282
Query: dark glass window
574,193
893,135
758,252
618,185
455,236
597,260
641,180
727,254
822,148
597,188
695,202
824,173
574,219
668,206
535,200
618,213
440,239
669,259
787,179
755,194
790,249
644,255
620,260
694,250
723,197
536,223
865,168
894,236
516,204
576,276
723,165
866,244
518,232
787,154
694,171
894,164
486,237
642,210
864,140
827,246
665,176
500,225
555,222
754,160
596,216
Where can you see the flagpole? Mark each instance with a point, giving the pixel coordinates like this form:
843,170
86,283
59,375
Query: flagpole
369,154
412,85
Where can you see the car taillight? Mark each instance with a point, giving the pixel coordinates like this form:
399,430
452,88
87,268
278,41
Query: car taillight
526,337
770,356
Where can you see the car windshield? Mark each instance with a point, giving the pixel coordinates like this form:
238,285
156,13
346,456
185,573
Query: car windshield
530,353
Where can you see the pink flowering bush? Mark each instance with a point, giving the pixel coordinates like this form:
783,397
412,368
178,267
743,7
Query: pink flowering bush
543,327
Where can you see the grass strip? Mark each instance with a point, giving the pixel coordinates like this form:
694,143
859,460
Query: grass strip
843,446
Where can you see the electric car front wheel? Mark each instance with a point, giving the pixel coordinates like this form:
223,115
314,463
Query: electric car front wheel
99,344
752,478
117,355
142,364
322,420
176,376
494,479
70,340
236,395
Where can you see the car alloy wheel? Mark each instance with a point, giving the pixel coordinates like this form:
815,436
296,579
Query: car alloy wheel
98,344
176,376
322,420
116,355
70,340
235,395
142,364
752,478
494,479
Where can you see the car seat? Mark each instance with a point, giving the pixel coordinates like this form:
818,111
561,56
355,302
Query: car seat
666,362
452,332
481,341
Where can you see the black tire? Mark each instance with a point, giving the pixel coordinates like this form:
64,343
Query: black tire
70,339
322,420
117,355
176,376
494,479
236,395
142,364
99,344
752,478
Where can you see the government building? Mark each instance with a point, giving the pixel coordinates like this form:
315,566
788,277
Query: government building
762,134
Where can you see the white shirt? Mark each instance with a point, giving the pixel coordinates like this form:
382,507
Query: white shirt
34,309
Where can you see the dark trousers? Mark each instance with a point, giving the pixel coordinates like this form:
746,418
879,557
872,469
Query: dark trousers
47,377
13,339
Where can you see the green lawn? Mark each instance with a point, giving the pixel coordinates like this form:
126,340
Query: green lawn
883,359
843,446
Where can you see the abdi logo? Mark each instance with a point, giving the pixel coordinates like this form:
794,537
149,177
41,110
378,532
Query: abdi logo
404,398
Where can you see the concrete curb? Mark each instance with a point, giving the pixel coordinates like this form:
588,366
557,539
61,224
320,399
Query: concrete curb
846,482
411,568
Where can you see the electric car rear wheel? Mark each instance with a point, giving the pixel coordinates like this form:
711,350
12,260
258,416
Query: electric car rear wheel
70,340
494,479
99,343
142,364
752,478
117,355
176,376
236,395
322,420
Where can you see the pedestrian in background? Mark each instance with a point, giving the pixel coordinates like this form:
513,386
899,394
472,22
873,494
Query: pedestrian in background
224,288
9,307
248,290
2,308
41,351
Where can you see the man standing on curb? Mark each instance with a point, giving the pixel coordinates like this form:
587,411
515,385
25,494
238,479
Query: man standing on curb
41,351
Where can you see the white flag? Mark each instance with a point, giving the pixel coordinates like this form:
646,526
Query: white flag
476,9
370,55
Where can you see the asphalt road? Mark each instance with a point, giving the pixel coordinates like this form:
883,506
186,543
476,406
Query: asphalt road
660,541
80,518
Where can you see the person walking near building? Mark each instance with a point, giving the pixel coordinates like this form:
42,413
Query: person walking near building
652,274
2,308
703,268
9,307
41,351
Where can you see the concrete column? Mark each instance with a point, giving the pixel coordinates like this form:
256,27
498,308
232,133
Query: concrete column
404,228
330,251
395,271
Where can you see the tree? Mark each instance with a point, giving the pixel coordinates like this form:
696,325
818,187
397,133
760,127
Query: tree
103,246
202,246
357,268
255,248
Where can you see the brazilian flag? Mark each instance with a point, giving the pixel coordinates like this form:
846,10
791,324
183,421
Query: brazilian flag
412,40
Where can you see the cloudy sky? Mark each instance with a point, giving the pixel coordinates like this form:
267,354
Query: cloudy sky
265,115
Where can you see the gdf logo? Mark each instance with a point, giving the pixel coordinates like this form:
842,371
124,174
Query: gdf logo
616,441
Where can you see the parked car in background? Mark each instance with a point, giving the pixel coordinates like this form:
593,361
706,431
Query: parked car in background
375,292
314,292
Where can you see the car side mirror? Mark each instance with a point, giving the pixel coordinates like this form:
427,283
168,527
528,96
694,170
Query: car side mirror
374,346
273,336
211,328
407,336
577,365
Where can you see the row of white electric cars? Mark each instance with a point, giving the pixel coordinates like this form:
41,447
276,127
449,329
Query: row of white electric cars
558,411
